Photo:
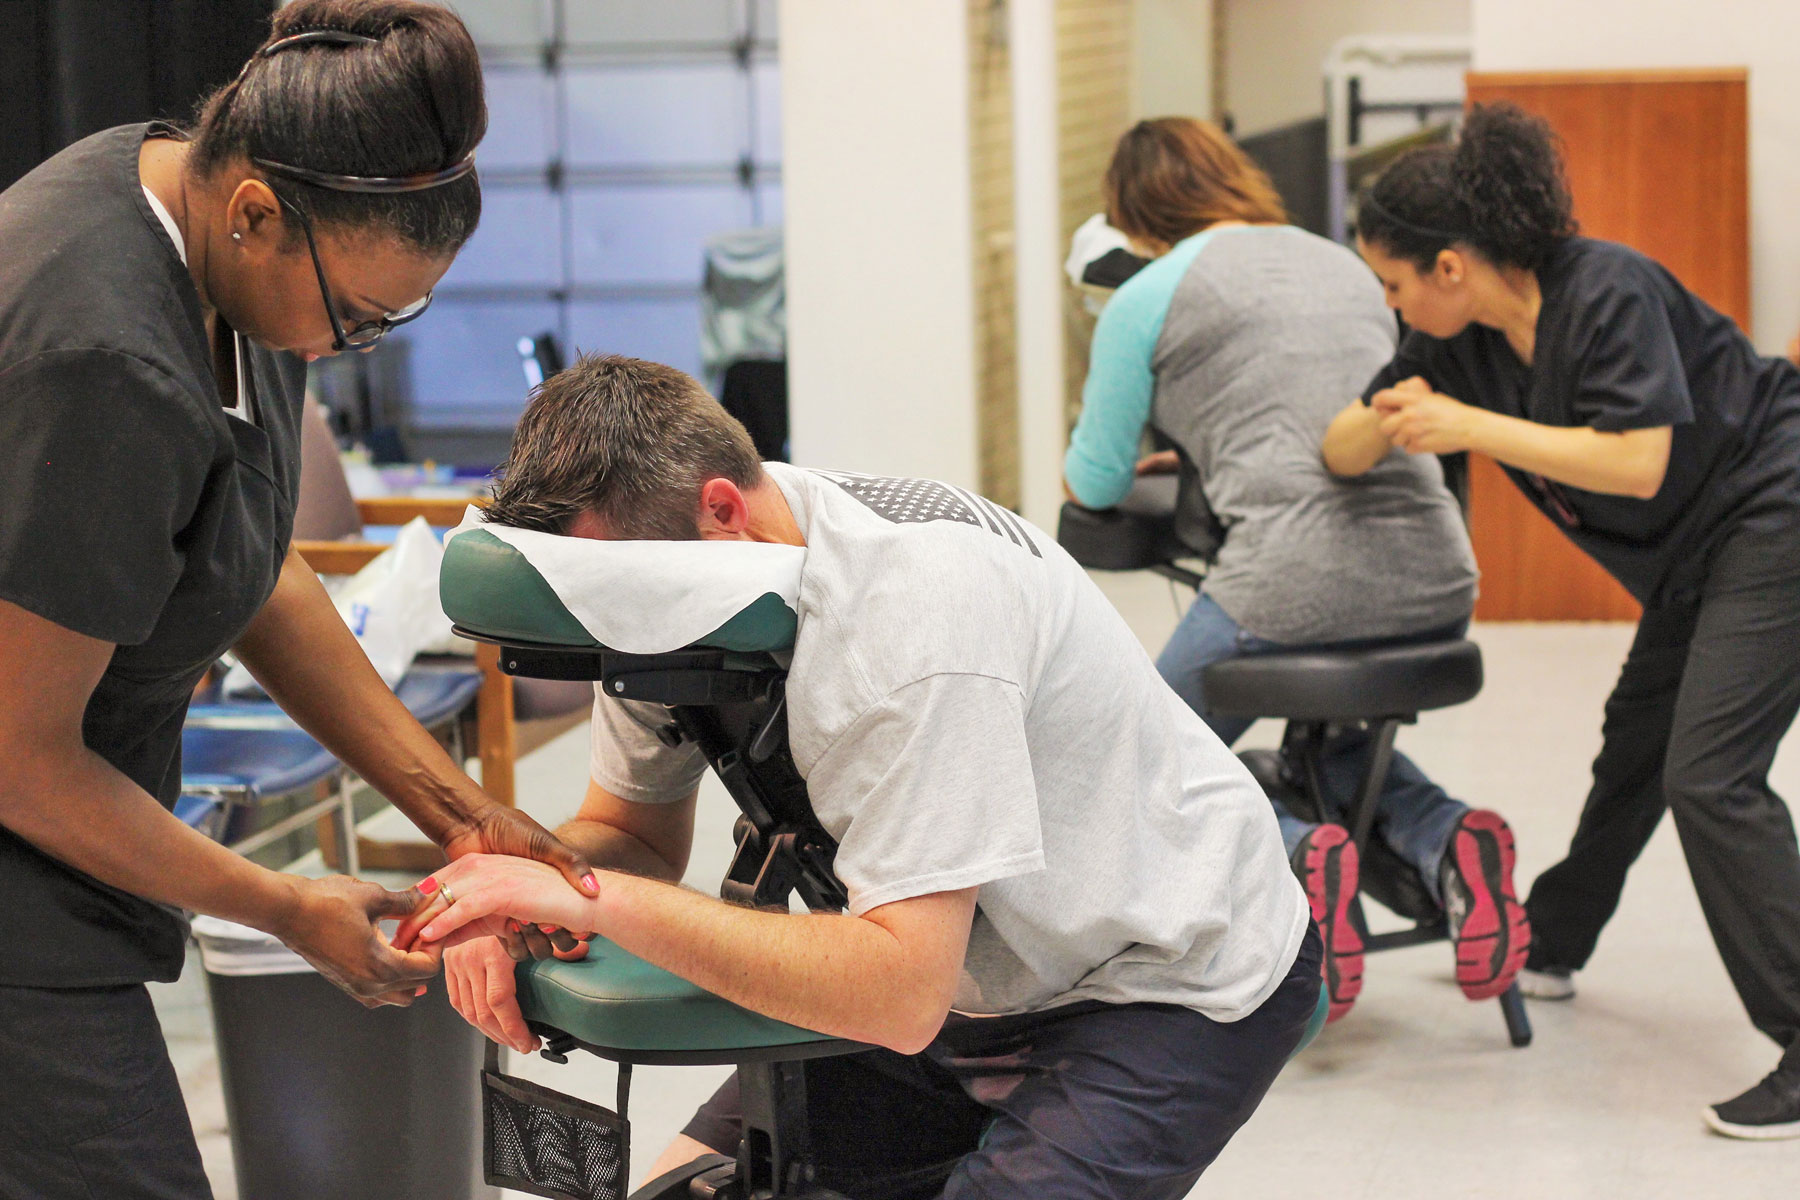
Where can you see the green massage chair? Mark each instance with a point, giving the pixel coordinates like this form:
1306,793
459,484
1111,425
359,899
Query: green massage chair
712,643
706,628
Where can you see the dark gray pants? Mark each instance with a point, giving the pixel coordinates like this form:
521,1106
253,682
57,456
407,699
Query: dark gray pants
1708,690
1086,1102
89,1105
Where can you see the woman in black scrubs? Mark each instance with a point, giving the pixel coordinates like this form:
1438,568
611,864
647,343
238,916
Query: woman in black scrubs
158,294
1645,425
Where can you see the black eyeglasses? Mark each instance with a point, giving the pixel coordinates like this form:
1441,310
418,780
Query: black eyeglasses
364,335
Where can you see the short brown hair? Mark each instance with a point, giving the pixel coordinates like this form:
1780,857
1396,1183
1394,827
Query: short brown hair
1172,177
628,440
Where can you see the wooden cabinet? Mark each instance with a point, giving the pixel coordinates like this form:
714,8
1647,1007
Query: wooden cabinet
1657,160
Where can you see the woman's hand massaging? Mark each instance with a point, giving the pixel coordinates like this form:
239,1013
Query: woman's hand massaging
1421,421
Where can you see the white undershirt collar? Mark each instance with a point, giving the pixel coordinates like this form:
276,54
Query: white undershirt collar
242,409
168,223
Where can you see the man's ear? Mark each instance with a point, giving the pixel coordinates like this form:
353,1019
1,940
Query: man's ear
724,512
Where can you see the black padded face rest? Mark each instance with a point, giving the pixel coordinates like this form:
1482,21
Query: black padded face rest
1345,685
1141,532
1113,268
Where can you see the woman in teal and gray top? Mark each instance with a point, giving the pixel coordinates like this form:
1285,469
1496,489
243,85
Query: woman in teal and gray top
1239,343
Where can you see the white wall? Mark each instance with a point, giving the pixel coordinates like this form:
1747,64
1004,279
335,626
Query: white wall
1171,58
1515,35
1274,49
881,322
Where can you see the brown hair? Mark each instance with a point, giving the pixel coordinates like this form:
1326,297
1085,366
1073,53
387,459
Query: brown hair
630,441
1172,177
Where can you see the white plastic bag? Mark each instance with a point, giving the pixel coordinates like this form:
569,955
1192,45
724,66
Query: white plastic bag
391,606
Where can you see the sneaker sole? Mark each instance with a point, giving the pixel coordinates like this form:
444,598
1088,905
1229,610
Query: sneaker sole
1329,873
1750,1133
1536,985
1496,935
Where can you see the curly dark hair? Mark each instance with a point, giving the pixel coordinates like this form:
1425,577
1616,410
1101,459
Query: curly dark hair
1500,190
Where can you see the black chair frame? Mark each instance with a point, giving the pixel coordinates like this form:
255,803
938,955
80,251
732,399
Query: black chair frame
1145,532
734,707
1292,776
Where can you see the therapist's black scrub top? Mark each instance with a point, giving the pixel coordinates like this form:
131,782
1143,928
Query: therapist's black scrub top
1621,344
133,509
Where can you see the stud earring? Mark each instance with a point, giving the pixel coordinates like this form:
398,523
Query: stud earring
237,237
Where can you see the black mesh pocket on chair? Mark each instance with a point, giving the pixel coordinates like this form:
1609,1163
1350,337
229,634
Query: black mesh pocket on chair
543,1142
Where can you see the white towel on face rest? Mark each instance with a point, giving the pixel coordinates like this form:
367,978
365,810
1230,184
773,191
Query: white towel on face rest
643,597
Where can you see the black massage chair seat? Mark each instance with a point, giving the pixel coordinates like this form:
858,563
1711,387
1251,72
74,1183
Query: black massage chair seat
1164,526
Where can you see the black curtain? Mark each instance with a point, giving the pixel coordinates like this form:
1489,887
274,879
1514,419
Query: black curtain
1297,160
69,68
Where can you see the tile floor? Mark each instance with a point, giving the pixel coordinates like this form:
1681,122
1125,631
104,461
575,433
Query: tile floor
1416,1093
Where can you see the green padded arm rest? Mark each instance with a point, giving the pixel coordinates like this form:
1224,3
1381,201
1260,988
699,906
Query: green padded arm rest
626,1008
492,590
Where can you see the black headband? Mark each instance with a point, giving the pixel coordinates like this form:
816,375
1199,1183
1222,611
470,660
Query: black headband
1369,201
333,37
376,184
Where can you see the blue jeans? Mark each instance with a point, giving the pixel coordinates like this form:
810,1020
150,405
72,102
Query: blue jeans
1414,816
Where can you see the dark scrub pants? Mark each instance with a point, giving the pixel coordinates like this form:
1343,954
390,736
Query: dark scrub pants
90,1109
1086,1102
1707,692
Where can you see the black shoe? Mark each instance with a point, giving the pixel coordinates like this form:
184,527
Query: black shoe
1766,1113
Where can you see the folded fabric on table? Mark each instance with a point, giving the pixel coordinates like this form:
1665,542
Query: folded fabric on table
638,597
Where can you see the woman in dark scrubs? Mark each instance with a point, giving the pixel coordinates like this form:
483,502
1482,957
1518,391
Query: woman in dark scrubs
158,295
1645,425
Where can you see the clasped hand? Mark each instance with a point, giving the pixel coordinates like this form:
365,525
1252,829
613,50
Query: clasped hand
1421,421
488,910
333,922
333,927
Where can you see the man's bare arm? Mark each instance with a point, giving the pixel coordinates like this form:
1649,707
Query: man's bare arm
653,840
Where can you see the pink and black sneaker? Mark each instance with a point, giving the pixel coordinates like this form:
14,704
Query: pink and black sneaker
1326,862
1487,922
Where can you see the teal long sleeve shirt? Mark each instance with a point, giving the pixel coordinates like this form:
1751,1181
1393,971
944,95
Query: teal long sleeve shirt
1115,401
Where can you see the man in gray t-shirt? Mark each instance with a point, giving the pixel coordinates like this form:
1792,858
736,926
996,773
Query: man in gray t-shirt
1049,858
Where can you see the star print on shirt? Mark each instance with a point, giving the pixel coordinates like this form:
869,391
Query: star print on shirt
911,501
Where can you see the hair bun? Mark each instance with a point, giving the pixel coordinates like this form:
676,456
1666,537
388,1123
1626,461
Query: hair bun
1508,176
411,104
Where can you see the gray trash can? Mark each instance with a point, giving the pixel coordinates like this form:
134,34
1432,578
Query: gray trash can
327,1099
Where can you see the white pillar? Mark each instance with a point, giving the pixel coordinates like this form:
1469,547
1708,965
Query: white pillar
880,236
1037,224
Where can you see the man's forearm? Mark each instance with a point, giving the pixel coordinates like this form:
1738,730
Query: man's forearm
834,974
80,810
612,849
300,650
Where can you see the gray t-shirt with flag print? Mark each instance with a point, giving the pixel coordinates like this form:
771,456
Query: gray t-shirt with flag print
968,710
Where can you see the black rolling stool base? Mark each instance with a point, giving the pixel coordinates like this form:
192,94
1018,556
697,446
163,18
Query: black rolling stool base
1379,689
